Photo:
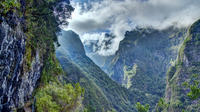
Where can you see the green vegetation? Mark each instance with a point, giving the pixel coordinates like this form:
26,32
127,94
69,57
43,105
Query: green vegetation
51,70
59,98
8,5
41,31
142,108
152,51
161,106
129,73
194,87
101,93
41,28
194,90
183,85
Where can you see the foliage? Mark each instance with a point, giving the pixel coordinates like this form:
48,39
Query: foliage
183,88
142,108
194,87
8,5
51,69
152,51
41,30
129,73
58,98
194,91
101,93
162,105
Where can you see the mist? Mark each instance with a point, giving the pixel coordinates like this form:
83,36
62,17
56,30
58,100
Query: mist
93,20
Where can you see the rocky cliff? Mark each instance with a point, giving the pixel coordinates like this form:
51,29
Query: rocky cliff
186,69
17,84
23,52
142,60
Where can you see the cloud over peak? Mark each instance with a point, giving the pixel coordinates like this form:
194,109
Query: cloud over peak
119,16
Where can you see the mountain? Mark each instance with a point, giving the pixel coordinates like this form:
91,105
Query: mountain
42,70
143,59
101,93
186,69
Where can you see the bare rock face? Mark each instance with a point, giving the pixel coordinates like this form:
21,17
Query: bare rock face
16,84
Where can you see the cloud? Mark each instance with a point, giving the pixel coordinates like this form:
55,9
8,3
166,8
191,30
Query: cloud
118,16
101,43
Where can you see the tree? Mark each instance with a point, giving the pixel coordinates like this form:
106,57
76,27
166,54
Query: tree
7,5
59,98
142,108
194,90
194,87
162,105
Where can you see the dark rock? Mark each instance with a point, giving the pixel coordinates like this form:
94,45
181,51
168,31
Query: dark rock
16,85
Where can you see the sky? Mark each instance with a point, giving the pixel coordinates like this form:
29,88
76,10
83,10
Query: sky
92,19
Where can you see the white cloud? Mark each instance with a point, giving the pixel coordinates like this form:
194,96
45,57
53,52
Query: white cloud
119,16
101,43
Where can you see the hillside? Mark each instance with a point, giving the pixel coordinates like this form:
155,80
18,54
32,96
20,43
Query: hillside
186,69
143,59
101,93
116,56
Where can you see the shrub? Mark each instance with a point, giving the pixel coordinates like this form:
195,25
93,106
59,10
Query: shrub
162,105
8,5
58,98
142,108
194,87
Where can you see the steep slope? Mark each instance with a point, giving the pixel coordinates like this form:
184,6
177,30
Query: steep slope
101,93
187,65
28,31
142,60
16,85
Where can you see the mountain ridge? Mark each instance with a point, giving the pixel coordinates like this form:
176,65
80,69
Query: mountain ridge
113,93
187,65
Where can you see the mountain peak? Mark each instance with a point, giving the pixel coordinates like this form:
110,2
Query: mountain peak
195,28
71,43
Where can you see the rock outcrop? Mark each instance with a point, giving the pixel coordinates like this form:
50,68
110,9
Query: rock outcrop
187,65
17,84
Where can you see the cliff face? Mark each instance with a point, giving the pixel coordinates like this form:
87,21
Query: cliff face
187,65
23,52
17,84
150,49
142,60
